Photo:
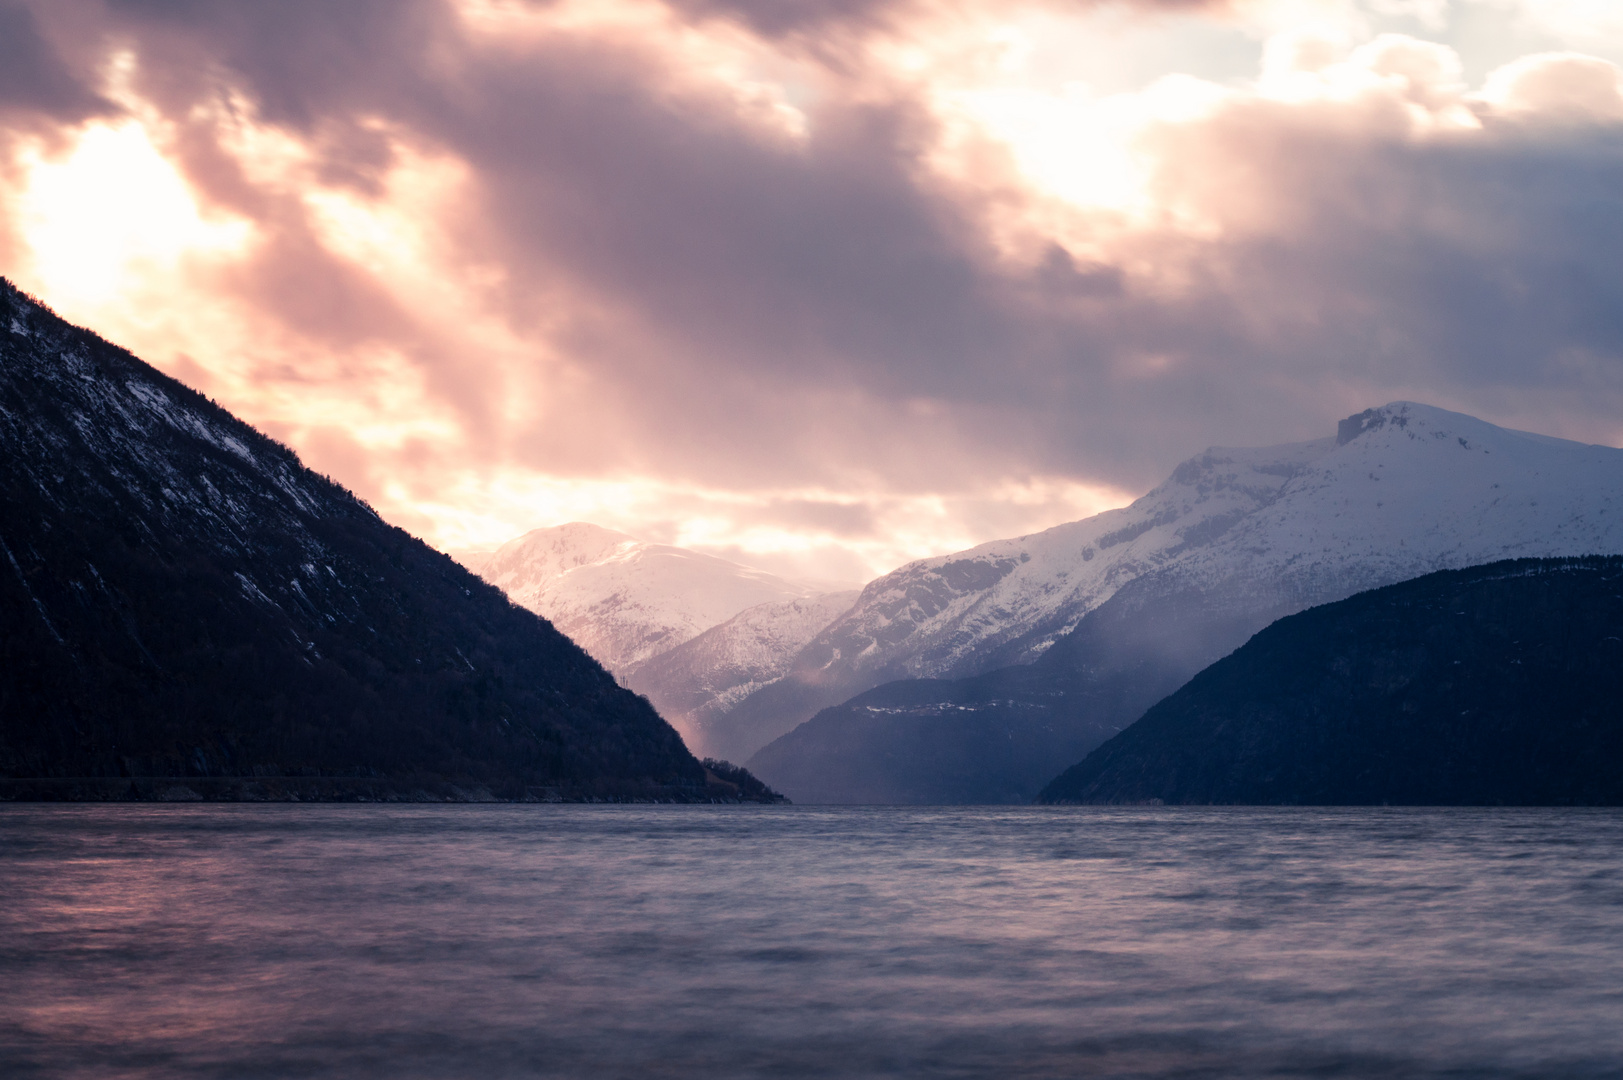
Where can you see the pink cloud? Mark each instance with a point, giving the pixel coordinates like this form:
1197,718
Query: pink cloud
585,255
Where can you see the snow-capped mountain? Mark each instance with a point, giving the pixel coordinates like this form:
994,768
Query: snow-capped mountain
1400,491
703,678
622,599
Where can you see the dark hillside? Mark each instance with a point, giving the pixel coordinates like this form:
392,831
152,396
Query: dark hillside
185,609
999,737
1496,685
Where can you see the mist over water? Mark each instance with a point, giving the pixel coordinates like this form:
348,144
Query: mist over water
509,941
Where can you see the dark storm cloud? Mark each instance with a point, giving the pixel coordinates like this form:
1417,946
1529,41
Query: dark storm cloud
780,17
812,260
798,17
818,261
752,306
307,62
33,76
1485,266
1511,257
744,265
318,69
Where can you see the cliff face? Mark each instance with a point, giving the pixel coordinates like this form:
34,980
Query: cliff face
1501,684
184,607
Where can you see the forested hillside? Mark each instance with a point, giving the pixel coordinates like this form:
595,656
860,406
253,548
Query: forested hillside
187,611
1496,685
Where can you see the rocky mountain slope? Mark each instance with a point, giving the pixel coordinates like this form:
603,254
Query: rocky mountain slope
186,611
701,679
996,737
1495,685
1155,592
622,599
1007,601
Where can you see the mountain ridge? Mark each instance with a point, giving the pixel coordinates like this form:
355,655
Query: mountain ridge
626,600
1401,491
702,678
1007,601
187,609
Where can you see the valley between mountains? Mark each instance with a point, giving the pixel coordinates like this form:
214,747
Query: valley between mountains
978,676
189,611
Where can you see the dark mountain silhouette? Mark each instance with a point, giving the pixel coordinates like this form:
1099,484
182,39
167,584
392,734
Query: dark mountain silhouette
186,611
1496,685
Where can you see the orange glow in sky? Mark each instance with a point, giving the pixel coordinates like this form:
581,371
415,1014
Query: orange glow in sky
607,260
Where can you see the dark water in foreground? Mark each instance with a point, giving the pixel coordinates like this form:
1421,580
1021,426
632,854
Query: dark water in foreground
478,941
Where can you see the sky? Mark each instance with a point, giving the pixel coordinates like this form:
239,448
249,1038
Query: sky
822,285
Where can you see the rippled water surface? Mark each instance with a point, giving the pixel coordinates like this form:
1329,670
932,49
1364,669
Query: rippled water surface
506,941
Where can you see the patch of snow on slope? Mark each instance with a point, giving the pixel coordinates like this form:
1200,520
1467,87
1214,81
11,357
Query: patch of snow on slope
1402,490
706,676
937,616
622,599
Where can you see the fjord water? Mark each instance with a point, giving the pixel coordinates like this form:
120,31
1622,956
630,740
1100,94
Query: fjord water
659,941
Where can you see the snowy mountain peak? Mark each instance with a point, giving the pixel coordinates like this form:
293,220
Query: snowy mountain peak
704,677
624,599
1370,419
1452,487
1400,491
1395,418
543,555
931,616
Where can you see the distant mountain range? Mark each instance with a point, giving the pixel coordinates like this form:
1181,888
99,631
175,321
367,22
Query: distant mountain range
692,632
1500,684
697,683
974,677
186,612
1117,611
622,599
185,609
